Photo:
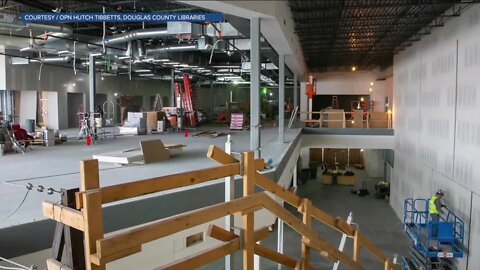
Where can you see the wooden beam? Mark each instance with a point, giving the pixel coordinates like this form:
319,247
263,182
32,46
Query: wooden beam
248,220
122,254
307,220
220,156
224,235
157,184
321,252
272,187
250,210
93,227
56,265
261,233
200,259
356,246
314,240
135,236
298,265
216,154
63,214
275,256
89,174
344,226
89,178
220,234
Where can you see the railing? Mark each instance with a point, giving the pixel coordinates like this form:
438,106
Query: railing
341,119
101,248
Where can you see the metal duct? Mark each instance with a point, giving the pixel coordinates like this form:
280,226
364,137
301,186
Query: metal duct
135,34
140,48
64,59
182,48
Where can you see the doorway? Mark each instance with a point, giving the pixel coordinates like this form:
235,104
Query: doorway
75,104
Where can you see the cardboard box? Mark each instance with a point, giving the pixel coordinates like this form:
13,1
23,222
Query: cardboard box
348,180
153,118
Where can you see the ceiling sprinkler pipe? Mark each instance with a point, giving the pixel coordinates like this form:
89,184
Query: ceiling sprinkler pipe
182,48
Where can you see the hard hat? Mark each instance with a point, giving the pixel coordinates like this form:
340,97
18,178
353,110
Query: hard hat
439,192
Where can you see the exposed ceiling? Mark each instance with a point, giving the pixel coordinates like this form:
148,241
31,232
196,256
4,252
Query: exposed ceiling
221,60
339,34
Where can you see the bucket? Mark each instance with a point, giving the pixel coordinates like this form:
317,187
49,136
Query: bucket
98,122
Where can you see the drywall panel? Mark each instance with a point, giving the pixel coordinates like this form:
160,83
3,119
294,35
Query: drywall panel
467,137
437,103
53,111
458,199
373,161
474,237
28,106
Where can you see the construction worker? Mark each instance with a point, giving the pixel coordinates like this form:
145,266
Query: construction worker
435,209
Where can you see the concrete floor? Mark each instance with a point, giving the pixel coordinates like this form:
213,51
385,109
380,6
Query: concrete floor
375,218
58,166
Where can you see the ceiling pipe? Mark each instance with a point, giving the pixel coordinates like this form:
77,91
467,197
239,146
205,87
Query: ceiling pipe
64,59
132,35
181,48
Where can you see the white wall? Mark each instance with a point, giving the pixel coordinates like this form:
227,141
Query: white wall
436,126
28,106
354,83
63,80
53,110
3,78
373,162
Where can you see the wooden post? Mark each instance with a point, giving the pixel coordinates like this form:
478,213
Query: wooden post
248,220
89,174
307,220
92,210
387,264
356,246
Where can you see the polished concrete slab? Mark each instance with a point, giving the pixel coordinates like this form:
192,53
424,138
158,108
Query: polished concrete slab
58,166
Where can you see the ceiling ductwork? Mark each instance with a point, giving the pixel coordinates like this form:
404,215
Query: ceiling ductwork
132,35
64,59
179,48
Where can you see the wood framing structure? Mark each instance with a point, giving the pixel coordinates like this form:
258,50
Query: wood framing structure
101,248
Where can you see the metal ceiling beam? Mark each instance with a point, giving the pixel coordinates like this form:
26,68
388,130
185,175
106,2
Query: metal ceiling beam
356,18
373,5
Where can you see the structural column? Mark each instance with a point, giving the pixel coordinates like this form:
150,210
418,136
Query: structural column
295,91
172,88
281,98
255,86
92,84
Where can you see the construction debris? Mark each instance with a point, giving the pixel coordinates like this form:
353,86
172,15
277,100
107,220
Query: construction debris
210,134
149,151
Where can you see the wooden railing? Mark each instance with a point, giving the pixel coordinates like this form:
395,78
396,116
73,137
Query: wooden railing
341,119
101,248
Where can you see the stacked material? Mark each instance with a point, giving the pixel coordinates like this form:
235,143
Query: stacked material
136,124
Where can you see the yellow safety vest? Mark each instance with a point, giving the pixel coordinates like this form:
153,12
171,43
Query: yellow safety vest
432,208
